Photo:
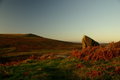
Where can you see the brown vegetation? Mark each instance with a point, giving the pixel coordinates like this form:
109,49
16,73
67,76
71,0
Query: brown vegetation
30,42
98,53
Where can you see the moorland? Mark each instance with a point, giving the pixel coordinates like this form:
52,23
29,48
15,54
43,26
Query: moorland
32,57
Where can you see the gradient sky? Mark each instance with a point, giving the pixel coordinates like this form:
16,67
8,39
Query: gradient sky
66,20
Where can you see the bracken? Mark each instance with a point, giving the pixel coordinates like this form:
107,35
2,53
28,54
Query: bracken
98,52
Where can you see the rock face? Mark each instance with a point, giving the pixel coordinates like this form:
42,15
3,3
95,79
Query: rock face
87,41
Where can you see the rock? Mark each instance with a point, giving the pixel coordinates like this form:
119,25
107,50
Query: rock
87,41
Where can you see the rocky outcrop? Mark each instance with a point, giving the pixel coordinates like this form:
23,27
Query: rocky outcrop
87,41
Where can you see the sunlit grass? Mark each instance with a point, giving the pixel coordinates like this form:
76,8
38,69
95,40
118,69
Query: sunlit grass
62,69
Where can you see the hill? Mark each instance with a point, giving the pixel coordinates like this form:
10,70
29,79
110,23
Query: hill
28,42
31,44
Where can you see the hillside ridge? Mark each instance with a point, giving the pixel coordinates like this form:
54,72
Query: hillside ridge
29,42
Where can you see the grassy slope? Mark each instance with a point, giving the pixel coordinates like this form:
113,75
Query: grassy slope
21,46
26,42
14,44
62,69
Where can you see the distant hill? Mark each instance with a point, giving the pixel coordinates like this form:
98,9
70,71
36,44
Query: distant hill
18,35
30,42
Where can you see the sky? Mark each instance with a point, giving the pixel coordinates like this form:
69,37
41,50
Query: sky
66,20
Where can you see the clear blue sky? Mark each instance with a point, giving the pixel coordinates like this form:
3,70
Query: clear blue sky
66,20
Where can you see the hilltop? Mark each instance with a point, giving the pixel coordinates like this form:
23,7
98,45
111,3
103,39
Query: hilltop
18,35
30,44
26,42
